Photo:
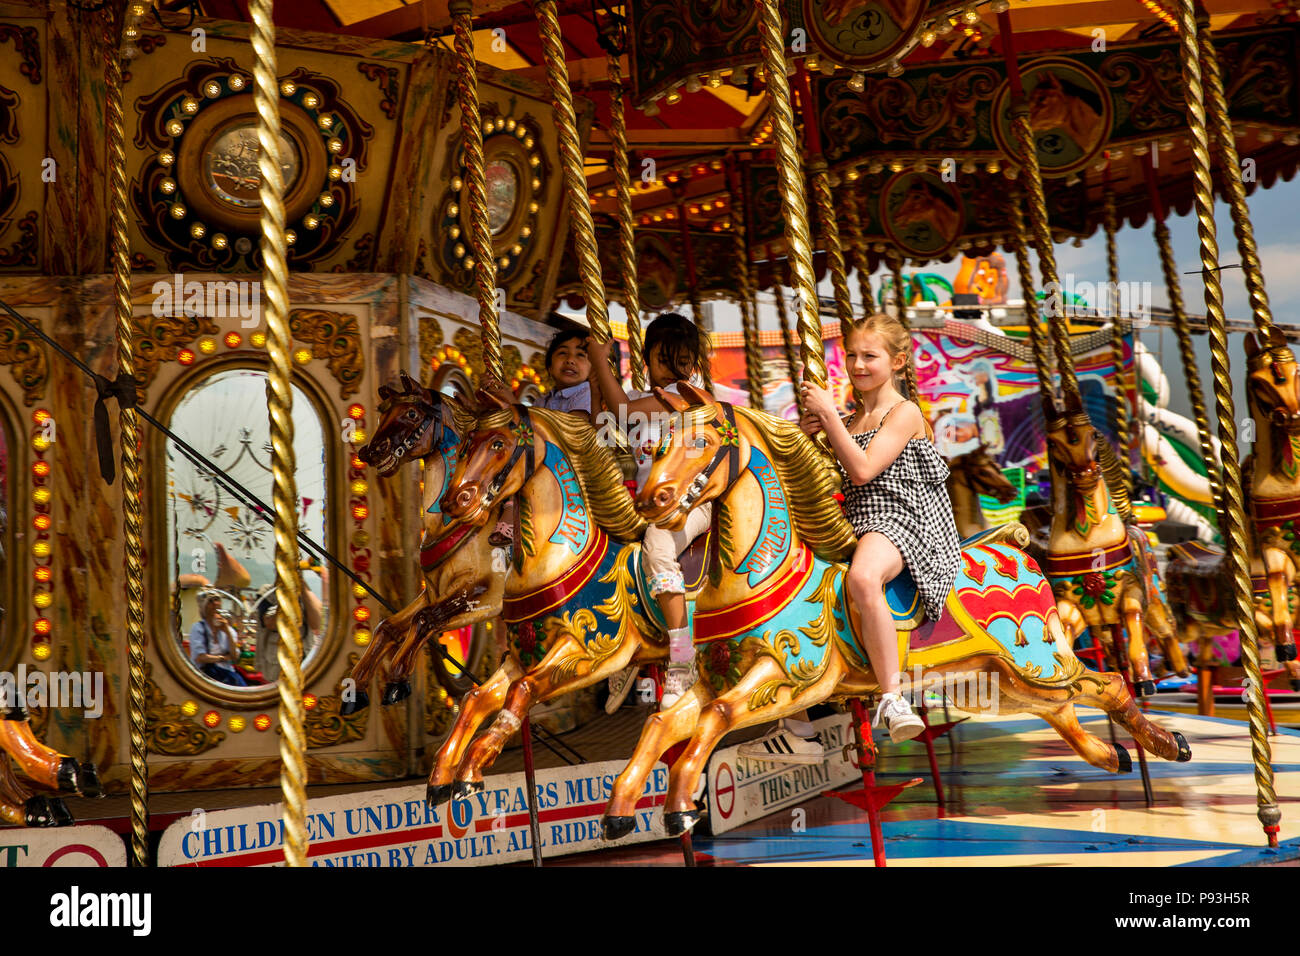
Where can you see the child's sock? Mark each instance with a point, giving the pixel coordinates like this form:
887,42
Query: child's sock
681,649
800,728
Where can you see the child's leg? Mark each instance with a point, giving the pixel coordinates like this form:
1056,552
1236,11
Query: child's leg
876,561
659,551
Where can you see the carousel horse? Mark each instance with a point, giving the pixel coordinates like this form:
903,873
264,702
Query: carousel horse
1271,483
776,630
1101,566
460,585
577,607
46,767
969,476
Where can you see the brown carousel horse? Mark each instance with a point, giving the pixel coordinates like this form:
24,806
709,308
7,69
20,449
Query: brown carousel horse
460,584
969,476
577,606
776,631
1197,575
1101,566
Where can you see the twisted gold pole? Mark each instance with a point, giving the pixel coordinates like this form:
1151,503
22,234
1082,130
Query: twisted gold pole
900,297
821,180
787,339
745,282
857,247
132,510
793,201
626,234
575,181
1183,333
1230,168
1116,333
480,233
279,342
1233,513
1020,246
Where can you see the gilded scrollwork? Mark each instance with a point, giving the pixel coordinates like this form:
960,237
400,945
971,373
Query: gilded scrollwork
159,338
23,351
471,346
335,338
167,730
325,726
621,606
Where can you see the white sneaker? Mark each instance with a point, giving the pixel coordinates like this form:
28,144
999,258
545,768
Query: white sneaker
901,722
779,745
619,685
678,679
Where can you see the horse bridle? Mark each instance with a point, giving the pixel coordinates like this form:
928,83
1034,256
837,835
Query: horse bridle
494,486
730,450
432,417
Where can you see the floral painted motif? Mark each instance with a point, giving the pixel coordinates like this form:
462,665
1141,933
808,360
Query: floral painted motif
1095,586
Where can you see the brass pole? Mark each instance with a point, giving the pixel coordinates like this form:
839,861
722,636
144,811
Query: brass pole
793,201
620,162
787,339
821,183
1230,167
1020,246
1031,178
1183,332
575,181
279,342
900,298
1233,513
1116,333
745,281
857,247
132,510
480,233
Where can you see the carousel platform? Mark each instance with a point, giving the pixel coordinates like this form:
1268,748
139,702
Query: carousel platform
1018,796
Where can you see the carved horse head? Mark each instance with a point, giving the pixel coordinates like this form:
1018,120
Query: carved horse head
1273,381
1051,107
978,471
921,204
495,461
409,423
1072,447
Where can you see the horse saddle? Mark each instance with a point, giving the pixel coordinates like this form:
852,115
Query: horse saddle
695,561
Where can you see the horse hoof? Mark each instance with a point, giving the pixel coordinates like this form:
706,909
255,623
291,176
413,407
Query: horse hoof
396,691
67,778
357,704
1285,652
466,788
436,794
615,828
1125,761
681,821
88,781
1146,688
62,816
38,812
1295,683
1184,751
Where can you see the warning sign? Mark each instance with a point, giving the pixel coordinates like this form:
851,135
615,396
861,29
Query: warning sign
62,846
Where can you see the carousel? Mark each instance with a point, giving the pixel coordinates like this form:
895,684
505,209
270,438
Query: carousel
242,634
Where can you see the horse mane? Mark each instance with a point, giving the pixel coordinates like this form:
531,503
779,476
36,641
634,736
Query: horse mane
463,421
1116,480
810,482
598,473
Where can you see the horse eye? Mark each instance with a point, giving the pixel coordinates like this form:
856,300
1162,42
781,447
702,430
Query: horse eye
498,445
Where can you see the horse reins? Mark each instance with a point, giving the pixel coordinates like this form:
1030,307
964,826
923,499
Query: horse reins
728,449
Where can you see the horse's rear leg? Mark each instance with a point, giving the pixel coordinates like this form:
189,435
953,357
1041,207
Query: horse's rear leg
1108,692
1112,758
1281,582
46,766
1135,642
729,712
475,707
661,731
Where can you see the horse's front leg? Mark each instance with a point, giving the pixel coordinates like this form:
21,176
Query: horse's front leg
662,730
384,641
44,765
1134,636
1280,568
475,707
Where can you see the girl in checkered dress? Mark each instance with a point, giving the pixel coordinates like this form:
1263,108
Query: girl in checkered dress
894,496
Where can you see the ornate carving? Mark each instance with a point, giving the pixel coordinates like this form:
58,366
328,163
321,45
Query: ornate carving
167,730
23,252
336,338
386,77
326,727
431,339
511,360
159,339
142,263
471,346
364,260
537,361
27,43
26,353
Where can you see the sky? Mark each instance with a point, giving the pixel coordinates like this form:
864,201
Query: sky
1275,213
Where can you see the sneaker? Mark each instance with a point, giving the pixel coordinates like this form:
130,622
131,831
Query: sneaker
779,745
619,685
678,679
901,722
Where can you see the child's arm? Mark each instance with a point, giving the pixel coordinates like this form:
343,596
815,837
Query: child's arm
604,382
881,452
